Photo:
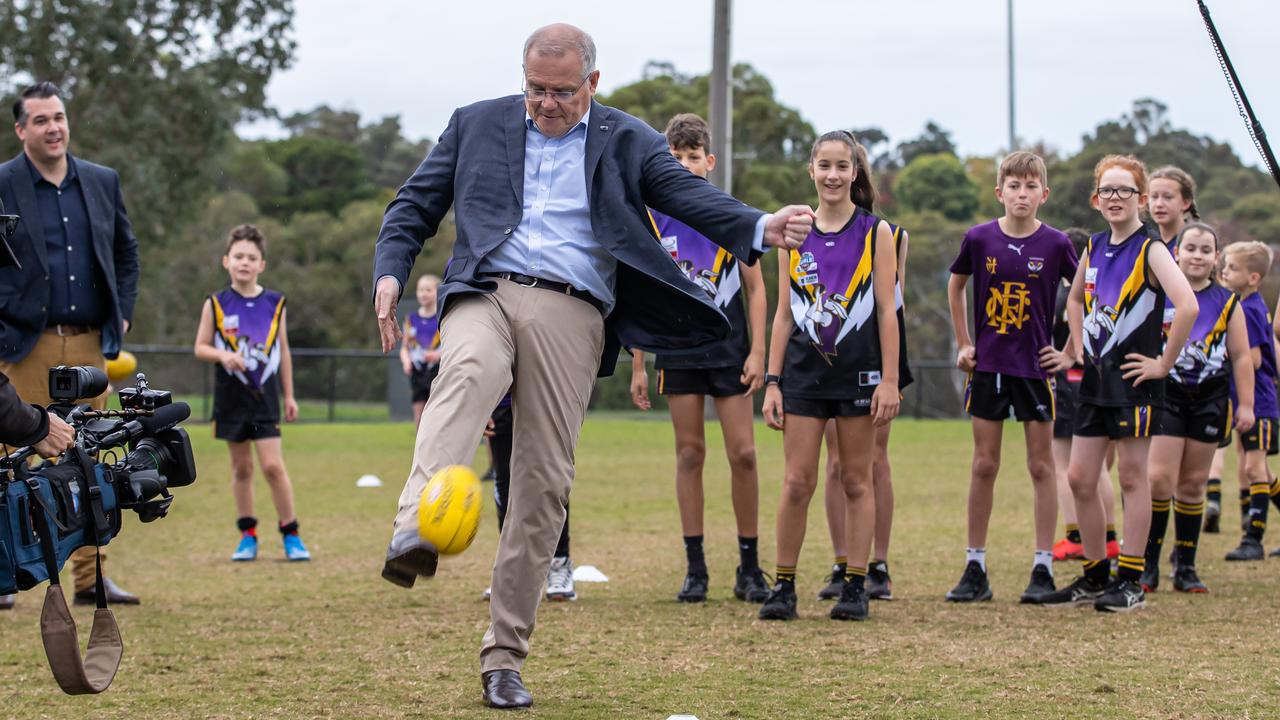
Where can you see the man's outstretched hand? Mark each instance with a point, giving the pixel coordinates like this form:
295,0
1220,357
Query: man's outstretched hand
788,227
385,298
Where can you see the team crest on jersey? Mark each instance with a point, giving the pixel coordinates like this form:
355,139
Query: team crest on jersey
807,270
991,265
671,244
1007,307
231,325
1034,266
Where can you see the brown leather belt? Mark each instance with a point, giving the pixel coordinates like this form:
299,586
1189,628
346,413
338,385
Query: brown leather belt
65,330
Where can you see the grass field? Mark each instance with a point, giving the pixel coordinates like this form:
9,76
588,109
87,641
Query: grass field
330,639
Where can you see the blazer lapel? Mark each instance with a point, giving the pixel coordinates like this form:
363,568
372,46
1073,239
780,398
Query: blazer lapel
515,129
598,132
28,208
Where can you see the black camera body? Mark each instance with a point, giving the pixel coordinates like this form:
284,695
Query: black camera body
49,510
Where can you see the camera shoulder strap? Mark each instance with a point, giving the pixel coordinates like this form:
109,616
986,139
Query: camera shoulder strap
94,672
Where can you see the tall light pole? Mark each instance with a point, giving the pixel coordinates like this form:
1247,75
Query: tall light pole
1013,128
721,120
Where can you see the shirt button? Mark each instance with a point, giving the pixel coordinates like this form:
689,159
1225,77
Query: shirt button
59,192
72,278
65,220
544,187
507,231
73,307
68,248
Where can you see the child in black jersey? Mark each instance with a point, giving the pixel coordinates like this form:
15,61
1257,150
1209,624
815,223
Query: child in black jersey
833,355
243,330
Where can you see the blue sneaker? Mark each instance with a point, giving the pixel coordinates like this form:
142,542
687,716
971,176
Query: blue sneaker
294,550
247,549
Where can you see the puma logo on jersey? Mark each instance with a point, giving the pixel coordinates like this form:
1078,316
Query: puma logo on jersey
1017,248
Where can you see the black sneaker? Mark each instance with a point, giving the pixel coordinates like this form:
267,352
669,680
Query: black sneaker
1150,579
1121,596
973,585
1082,591
1212,517
1185,580
1250,549
1041,585
1275,553
879,585
694,589
750,586
835,584
852,605
781,603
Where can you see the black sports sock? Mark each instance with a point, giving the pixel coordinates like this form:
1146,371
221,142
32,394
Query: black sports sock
856,577
1244,503
290,528
747,557
1111,532
1159,525
1186,530
693,553
1073,533
1214,491
1097,571
787,574
1259,499
247,525
1129,567
1275,492
562,546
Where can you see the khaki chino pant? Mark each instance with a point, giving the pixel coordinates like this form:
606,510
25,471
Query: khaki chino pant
30,377
545,347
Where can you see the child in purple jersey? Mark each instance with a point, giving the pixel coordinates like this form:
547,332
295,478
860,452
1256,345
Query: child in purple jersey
1172,201
1196,415
730,372
420,345
246,411
1116,311
1017,263
836,334
1245,266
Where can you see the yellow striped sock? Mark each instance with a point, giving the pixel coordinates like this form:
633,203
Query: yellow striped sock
786,573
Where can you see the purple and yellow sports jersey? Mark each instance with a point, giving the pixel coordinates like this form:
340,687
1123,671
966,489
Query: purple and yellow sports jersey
1202,364
713,269
1258,322
422,334
1123,314
1015,286
249,327
834,349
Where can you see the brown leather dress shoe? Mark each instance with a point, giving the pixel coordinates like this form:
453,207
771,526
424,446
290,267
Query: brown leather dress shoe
409,556
6,602
504,691
116,595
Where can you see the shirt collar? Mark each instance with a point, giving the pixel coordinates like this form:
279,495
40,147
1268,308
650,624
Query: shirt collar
529,124
37,178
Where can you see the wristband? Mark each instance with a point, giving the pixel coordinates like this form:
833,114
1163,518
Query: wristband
772,379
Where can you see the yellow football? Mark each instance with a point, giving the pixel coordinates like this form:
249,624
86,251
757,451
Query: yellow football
449,511
123,367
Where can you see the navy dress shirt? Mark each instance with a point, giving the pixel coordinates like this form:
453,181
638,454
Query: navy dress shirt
78,293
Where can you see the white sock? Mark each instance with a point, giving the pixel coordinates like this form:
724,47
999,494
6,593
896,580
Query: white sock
978,555
1045,558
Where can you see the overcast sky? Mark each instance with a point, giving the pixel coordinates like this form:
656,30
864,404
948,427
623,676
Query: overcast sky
843,63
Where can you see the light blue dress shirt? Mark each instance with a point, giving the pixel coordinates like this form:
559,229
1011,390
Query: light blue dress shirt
554,240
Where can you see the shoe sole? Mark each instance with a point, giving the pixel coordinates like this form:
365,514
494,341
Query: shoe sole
1082,602
779,616
1107,608
244,559
404,569
981,597
1193,591
846,617
691,599
1037,599
562,597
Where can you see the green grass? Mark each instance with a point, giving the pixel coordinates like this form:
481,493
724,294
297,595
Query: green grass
331,639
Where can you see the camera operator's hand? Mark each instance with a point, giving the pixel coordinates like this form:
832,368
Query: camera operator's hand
233,362
61,437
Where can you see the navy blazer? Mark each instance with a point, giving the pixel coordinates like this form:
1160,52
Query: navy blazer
24,292
478,169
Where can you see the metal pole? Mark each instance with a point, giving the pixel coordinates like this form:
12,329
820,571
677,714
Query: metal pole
721,119
333,386
1013,129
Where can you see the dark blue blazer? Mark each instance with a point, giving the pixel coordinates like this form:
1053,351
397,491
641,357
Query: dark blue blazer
478,169
24,292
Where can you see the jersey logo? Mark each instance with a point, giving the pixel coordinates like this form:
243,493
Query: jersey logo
671,244
991,265
1007,307
1034,266
1017,248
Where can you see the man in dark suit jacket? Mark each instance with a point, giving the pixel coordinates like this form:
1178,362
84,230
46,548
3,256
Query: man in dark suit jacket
554,270
70,301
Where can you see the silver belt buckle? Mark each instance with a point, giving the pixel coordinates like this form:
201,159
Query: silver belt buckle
528,285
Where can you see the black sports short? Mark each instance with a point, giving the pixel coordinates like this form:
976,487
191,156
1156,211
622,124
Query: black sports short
1117,423
1204,421
996,396
825,409
1262,436
716,382
1064,407
240,430
420,381
1229,422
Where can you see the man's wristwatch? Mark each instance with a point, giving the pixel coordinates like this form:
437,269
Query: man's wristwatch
772,379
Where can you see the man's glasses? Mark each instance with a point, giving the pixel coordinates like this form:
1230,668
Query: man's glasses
560,96
1113,193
